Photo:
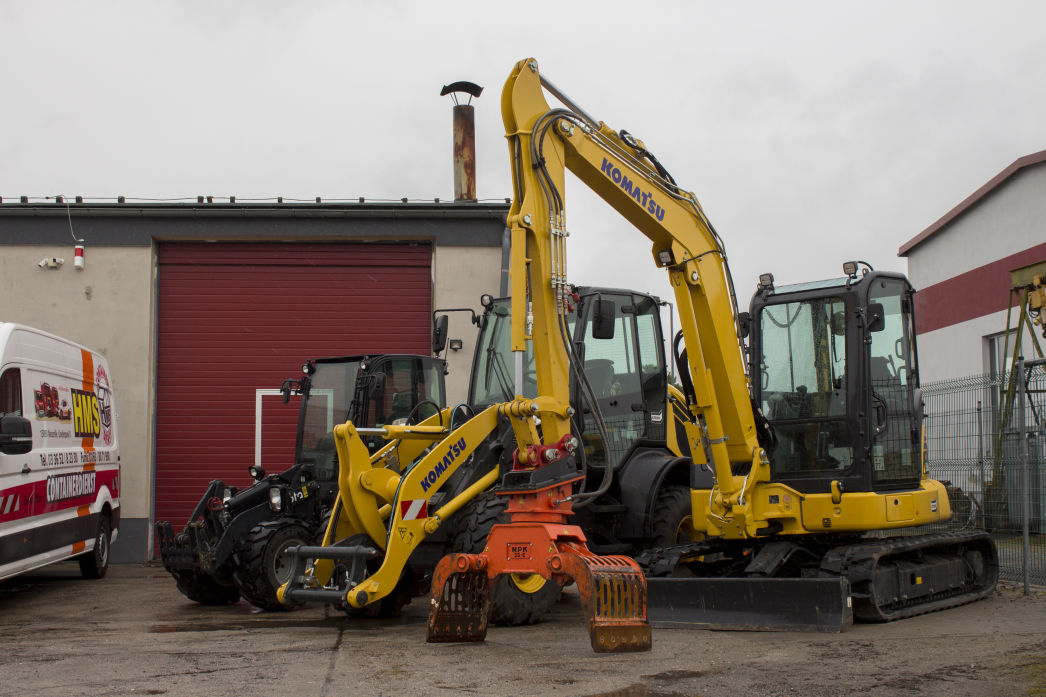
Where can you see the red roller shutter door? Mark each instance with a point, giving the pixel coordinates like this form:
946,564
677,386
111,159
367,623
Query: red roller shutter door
234,318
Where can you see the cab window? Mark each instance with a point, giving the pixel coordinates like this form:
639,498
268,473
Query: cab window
10,393
802,372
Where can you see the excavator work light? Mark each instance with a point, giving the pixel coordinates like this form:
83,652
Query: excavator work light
850,268
766,280
666,258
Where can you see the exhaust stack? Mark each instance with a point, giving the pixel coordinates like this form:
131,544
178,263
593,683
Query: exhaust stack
464,139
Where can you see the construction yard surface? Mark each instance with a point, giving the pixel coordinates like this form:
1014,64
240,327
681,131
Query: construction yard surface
133,633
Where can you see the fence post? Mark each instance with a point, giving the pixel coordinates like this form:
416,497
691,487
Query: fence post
980,463
1022,450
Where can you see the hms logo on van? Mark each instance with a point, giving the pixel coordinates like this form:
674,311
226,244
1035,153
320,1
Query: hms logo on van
70,486
87,422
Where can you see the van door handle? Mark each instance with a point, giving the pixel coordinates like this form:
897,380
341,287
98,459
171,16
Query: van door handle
26,469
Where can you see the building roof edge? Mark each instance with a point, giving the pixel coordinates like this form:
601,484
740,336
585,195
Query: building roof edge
969,201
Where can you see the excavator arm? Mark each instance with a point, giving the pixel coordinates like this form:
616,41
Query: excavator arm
544,143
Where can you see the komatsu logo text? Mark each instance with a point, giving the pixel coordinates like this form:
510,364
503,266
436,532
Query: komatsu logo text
643,198
453,452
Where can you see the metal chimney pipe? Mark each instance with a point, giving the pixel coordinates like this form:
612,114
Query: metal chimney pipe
464,140
464,152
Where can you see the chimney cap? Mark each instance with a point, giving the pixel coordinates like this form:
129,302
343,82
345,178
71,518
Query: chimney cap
462,86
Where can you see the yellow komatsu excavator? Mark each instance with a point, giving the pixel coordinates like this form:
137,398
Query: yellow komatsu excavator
756,495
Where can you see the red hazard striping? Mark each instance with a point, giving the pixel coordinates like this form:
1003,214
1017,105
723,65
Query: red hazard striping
414,509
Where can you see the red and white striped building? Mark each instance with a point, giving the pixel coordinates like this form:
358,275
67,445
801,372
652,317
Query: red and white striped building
961,268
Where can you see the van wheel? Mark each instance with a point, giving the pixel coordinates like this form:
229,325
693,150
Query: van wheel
95,563
201,588
265,565
515,598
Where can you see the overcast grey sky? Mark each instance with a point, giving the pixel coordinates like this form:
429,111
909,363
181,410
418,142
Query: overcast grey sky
812,132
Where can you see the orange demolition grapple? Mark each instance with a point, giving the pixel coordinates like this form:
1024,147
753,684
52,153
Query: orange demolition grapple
537,540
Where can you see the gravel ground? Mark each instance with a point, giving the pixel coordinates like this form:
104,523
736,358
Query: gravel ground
132,633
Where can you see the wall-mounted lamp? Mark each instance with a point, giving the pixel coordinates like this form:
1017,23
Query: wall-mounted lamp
50,262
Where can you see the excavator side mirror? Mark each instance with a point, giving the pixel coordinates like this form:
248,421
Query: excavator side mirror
288,388
876,317
744,324
439,334
603,319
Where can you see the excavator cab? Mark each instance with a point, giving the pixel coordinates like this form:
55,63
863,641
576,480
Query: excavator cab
619,343
834,372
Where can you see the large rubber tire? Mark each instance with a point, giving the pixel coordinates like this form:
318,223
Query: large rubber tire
95,563
201,588
672,520
514,600
264,566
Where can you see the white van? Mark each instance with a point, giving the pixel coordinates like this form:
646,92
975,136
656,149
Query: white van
59,454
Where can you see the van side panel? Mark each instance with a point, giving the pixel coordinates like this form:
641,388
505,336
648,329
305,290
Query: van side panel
52,499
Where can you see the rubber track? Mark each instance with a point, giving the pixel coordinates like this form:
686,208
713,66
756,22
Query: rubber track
859,562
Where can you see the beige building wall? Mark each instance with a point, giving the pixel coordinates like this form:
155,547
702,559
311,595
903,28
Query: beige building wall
108,307
462,275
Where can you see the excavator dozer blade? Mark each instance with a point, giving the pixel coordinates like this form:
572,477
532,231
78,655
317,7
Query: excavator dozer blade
750,604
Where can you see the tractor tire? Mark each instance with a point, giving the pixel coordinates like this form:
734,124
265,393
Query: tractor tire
264,565
515,600
672,522
201,588
95,563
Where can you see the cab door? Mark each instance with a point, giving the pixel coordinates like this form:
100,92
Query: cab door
624,365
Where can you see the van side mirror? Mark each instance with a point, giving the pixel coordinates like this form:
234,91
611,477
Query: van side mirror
16,435
439,333
603,319
876,317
